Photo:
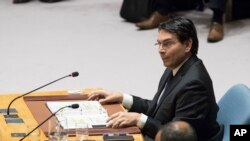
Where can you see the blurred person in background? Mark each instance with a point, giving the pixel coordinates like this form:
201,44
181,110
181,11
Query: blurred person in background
164,10
25,1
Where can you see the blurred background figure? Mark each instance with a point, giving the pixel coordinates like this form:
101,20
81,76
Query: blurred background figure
176,131
25,1
163,10
20,1
216,32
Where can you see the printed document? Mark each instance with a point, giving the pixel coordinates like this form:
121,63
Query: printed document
89,113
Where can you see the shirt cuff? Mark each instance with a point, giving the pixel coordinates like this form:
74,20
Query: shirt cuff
127,101
142,121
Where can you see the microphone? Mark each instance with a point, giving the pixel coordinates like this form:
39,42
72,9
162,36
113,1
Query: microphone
73,106
74,74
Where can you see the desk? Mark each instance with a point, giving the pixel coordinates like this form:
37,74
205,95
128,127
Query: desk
26,115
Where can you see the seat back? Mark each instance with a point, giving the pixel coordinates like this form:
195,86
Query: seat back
234,108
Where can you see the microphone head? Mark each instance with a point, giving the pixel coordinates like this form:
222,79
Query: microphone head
75,74
74,106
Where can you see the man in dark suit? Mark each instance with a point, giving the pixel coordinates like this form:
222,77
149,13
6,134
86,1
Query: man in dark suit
185,90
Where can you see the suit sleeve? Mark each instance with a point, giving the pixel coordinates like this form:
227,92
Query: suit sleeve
140,105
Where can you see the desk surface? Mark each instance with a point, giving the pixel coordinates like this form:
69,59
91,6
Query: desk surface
26,115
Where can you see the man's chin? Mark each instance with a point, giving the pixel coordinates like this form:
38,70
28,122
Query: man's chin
165,64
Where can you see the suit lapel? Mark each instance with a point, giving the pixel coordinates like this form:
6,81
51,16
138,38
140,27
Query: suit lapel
176,79
158,93
167,91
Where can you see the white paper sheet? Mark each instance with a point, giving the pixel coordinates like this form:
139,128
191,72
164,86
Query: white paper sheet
89,112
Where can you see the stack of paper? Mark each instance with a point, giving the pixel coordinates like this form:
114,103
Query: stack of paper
89,113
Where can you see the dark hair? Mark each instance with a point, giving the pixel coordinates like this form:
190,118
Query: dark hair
173,132
184,29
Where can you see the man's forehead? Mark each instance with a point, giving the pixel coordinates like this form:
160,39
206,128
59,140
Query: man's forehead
165,36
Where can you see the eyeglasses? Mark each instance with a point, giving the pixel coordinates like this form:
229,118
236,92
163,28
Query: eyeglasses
165,44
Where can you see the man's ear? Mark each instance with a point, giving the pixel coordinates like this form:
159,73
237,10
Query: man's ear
188,45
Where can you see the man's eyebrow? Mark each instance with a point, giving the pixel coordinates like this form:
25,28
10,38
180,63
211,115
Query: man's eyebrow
164,40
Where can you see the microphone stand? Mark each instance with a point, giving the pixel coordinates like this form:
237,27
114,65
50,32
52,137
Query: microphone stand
8,109
74,74
44,121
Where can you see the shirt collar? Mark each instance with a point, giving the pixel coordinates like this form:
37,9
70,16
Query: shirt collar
175,70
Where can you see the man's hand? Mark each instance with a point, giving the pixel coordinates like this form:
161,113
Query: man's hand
123,119
105,96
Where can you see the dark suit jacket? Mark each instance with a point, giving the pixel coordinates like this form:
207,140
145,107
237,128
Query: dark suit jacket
189,97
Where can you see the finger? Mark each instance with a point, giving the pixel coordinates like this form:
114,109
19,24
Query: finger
116,124
103,101
93,96
114,116
113,123
122,124
110,123
96,99
106,100
110,118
